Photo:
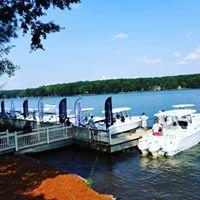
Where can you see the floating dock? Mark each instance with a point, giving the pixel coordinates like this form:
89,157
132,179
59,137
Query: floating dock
94,139
45,137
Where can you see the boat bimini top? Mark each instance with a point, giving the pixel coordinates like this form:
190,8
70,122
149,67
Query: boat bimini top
175,113
183,106
87,109
123,109
117,110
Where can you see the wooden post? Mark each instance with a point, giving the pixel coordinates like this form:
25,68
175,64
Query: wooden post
16,143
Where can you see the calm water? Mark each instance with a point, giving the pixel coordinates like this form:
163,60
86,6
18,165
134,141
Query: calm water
126,175
148,102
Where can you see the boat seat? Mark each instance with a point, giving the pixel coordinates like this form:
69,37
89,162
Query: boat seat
122,119
183,124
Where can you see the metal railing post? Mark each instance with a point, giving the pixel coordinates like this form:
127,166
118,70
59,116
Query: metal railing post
7,137
16,143
47,136
64,131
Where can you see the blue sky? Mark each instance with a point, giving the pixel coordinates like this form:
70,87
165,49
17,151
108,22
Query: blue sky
106,39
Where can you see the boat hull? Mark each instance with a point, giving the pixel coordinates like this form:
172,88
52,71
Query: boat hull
124,127
184,144
169,146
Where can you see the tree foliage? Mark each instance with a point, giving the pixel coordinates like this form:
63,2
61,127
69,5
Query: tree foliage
109,86
6,66
26,15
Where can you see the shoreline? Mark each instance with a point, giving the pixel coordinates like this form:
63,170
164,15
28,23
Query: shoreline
88,95
22,177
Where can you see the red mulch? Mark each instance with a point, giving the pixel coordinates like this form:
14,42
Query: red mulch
24,178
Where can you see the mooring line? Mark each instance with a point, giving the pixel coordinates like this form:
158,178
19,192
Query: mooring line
94,165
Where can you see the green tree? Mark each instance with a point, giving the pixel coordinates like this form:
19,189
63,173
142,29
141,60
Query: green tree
26,15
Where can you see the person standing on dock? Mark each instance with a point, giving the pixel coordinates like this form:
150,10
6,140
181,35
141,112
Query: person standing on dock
91,123
67,122
27,128
144,119
162,119
157,128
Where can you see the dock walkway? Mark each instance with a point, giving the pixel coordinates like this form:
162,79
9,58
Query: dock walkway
39,140
102,140
56,136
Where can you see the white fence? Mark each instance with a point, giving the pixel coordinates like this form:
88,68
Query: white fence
19,140
40,136
89,134
7,141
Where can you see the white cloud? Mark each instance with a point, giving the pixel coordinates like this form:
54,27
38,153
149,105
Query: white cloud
177,54
192,57
146,60
182,62
121,36
108,77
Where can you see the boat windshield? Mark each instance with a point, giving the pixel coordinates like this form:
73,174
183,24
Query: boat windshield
120,115
126,114
86,114
174,121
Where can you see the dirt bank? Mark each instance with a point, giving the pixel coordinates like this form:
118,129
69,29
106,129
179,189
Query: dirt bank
22,177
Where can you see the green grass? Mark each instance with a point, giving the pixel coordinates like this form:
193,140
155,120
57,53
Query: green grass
89,182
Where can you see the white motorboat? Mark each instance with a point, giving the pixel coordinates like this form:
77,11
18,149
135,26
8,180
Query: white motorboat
181,131
86,113
122,121
195,116
49,115
53,117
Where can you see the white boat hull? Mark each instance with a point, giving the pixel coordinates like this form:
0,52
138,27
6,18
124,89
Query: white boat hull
125,126
129,124
180,132
167,145
184,144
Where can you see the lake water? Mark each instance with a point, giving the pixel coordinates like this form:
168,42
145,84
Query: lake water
126,175
148,102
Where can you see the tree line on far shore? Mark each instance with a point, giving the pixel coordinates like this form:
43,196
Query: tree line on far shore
108,86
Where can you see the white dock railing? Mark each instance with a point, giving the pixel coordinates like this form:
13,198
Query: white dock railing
40,136
90,134
7,141
20,140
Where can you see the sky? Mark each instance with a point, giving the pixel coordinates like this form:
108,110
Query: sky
106,39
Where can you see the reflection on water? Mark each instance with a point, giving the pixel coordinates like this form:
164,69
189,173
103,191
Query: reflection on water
129,176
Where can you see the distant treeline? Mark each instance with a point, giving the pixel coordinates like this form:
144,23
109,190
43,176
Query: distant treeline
109,86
